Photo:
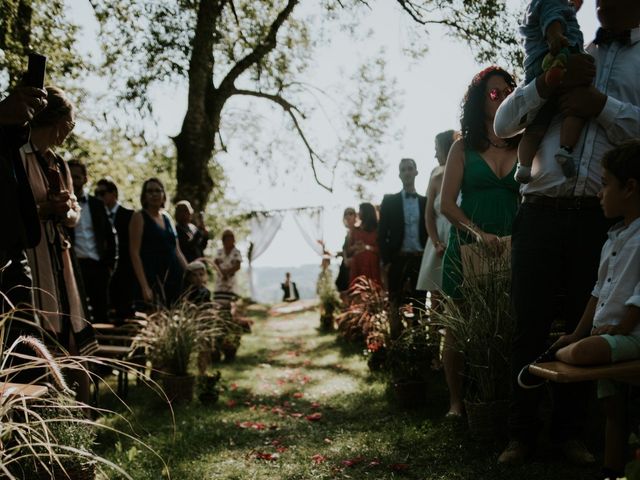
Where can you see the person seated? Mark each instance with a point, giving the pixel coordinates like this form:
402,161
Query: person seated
609,330
195,280
289,289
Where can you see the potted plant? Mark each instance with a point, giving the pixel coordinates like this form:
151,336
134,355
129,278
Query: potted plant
482,326
408,360
207,388
329,299
172,337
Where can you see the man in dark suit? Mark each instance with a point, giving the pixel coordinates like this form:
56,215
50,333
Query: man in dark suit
95,244
122,285
402,235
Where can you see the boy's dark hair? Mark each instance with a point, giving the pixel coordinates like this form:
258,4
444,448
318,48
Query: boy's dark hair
623,162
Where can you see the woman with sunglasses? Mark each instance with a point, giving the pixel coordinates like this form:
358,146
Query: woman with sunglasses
480,169
155,253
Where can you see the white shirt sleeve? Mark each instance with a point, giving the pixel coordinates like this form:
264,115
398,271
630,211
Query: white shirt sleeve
517,110
634,300
620,120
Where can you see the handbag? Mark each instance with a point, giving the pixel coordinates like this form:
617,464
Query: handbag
479,260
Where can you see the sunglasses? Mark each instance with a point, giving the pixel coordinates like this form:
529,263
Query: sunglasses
496,94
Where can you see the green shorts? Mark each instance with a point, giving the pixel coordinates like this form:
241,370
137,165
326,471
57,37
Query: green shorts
623,348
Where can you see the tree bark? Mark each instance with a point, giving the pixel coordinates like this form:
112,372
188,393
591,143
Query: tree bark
196,141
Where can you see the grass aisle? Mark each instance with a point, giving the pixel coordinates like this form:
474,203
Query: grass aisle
297,405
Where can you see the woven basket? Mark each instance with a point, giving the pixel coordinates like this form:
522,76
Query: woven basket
487,421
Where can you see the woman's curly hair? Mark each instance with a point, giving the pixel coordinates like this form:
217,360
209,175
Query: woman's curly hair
472,120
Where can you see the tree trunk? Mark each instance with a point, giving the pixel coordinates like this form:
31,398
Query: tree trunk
196,140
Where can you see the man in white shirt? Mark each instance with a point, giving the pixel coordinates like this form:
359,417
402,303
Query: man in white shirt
560,228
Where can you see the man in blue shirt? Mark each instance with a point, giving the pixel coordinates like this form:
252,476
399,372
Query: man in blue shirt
402,235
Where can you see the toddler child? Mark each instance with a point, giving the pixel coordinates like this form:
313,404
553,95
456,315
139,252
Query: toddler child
550,33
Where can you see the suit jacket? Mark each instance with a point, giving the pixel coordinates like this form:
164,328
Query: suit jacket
391,225
121,224
103,231
19,214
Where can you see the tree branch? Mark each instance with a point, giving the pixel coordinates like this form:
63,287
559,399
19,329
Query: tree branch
291,110
262,49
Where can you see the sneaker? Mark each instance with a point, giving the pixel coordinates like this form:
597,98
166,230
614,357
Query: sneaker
523,174
517,452
576,452
528,380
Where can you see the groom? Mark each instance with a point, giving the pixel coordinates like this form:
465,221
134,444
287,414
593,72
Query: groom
402,235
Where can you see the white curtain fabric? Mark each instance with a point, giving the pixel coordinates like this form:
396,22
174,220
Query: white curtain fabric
263,227
310,222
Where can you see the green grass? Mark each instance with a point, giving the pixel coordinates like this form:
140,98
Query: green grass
285,371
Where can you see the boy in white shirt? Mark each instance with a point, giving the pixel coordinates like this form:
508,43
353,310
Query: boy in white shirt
609,330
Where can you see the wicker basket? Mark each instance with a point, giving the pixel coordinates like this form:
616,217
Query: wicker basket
487,421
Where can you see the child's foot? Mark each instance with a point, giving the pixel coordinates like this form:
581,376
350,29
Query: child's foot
523,174
565,158
528,380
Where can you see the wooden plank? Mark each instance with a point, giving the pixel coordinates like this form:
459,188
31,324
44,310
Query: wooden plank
27,390
565,373
113,351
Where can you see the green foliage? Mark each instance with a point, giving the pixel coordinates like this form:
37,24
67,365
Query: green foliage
41,26
409,356
327,293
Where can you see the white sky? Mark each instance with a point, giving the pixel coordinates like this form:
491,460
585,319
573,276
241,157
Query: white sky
432,89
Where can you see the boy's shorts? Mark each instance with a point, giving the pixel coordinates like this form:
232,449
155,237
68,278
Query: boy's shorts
623,348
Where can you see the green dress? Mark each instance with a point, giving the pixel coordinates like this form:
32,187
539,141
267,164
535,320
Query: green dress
489,202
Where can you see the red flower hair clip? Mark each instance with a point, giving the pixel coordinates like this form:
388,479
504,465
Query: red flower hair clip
480,76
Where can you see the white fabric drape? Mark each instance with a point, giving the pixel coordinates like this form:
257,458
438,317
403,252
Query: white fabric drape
310,222
264,226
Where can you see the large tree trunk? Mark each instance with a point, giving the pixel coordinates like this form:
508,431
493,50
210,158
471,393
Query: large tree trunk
196,140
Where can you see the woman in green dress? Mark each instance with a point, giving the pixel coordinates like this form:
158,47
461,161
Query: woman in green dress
479,170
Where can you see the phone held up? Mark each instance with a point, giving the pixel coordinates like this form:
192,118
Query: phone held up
37,65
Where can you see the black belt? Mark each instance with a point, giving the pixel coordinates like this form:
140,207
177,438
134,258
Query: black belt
563,203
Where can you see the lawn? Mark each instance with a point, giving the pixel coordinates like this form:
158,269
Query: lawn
298,404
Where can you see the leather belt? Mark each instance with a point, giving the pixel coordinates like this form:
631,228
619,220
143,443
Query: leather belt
563,203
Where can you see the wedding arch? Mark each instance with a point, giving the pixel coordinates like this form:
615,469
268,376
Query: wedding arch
264,225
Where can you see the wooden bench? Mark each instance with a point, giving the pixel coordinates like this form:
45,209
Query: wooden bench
8,389
116,342
564,373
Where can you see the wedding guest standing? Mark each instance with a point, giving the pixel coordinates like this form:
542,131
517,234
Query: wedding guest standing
153,244
123,280
94,242
193,238
363,246
480,170
560,228
342,281
56,293
430,278
402,236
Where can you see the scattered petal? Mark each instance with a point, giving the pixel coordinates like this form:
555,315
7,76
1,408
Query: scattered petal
231,403
296,415
233,386
328,440
298,395
317,459
267,456
315,405
352,461
399,467
314,417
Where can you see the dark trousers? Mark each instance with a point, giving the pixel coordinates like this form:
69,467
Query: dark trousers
555,257
403,277
121,293
95,278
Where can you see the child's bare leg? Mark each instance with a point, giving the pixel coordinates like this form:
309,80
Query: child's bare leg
569,136
615,432
588,351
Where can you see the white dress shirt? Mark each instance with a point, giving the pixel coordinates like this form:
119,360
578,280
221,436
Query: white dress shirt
618,77
618,285
85,240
